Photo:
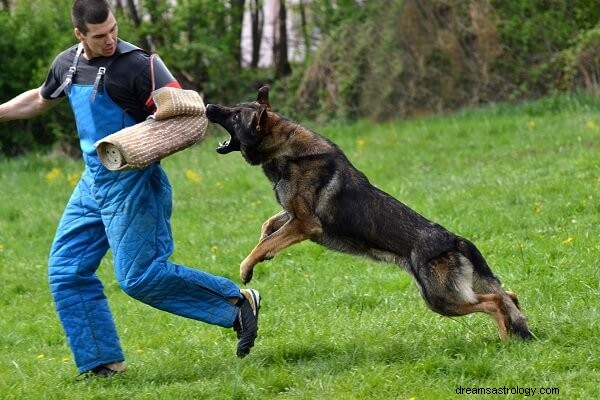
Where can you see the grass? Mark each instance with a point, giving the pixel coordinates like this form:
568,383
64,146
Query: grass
521,181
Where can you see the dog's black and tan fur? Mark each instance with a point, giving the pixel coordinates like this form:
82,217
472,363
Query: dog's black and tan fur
327,200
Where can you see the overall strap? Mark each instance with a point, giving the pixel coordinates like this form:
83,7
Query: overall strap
122,48
97,82
66,85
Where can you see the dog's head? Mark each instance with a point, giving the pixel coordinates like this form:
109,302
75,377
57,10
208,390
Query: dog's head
247,123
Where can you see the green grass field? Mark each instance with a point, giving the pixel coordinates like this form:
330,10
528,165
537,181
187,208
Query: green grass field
522,182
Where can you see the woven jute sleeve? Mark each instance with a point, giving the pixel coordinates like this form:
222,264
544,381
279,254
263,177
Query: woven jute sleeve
178,123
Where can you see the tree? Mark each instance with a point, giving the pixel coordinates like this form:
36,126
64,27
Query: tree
257,21
280,44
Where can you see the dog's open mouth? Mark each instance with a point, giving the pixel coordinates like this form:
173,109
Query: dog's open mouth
232,144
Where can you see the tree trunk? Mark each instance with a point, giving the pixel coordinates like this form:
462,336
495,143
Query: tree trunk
135,18
237,20
257,17
280,48
157,39
304,29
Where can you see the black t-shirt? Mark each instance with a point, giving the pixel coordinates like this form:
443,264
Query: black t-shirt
128,81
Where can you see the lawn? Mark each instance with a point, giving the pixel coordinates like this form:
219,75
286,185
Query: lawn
521,181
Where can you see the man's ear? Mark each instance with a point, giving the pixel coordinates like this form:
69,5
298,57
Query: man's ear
80,36
262,120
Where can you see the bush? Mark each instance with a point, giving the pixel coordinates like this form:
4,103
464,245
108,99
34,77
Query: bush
413,57
29,42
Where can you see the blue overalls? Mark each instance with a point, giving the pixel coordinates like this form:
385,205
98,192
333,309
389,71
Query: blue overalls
128,212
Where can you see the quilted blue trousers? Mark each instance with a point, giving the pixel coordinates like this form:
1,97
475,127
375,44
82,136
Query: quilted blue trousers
129,213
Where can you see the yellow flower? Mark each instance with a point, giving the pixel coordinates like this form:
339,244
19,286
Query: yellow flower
192,176
361,143
66,359
213,248
1,246
40,357
531,124
568,240
140,350
537,207
54,174
73,179
591,124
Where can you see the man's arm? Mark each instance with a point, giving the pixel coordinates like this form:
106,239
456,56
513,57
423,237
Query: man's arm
26,105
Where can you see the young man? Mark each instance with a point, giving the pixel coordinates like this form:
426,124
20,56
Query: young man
109,83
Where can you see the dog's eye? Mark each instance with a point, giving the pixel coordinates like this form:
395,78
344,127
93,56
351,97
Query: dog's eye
236,117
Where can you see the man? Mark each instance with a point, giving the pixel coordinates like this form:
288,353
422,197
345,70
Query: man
109,83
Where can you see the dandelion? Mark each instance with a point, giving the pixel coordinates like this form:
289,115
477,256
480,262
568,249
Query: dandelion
73,179
537,207
66,359
531,124
591,124
567,240
40,357
214,248
53,175
192,176
140,351
361,143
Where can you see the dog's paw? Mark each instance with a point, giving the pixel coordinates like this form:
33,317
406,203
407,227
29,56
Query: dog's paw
245,277
246,271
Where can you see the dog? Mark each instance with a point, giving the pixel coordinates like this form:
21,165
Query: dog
327,200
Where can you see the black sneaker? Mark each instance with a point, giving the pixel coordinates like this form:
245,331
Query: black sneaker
98,372
246,324
104,372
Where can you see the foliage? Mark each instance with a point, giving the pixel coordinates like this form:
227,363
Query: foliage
413,57
521,181
376,59
579,65
199,40
29,41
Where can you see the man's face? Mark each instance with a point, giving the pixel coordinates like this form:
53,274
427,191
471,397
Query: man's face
101,39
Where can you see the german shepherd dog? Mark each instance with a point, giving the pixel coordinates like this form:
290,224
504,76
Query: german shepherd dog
327,200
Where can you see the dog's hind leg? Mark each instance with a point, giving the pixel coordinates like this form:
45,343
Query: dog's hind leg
493,305
451,285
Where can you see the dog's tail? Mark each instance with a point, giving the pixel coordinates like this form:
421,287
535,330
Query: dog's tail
485,282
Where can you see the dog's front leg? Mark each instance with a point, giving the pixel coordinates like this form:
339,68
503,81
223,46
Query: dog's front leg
274,223
293,231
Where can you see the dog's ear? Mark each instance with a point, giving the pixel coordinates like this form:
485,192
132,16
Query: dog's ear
263,97
262,119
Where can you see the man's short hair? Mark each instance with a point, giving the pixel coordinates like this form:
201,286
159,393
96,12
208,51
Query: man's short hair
86,12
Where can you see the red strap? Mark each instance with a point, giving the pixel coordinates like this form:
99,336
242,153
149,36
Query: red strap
150,102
